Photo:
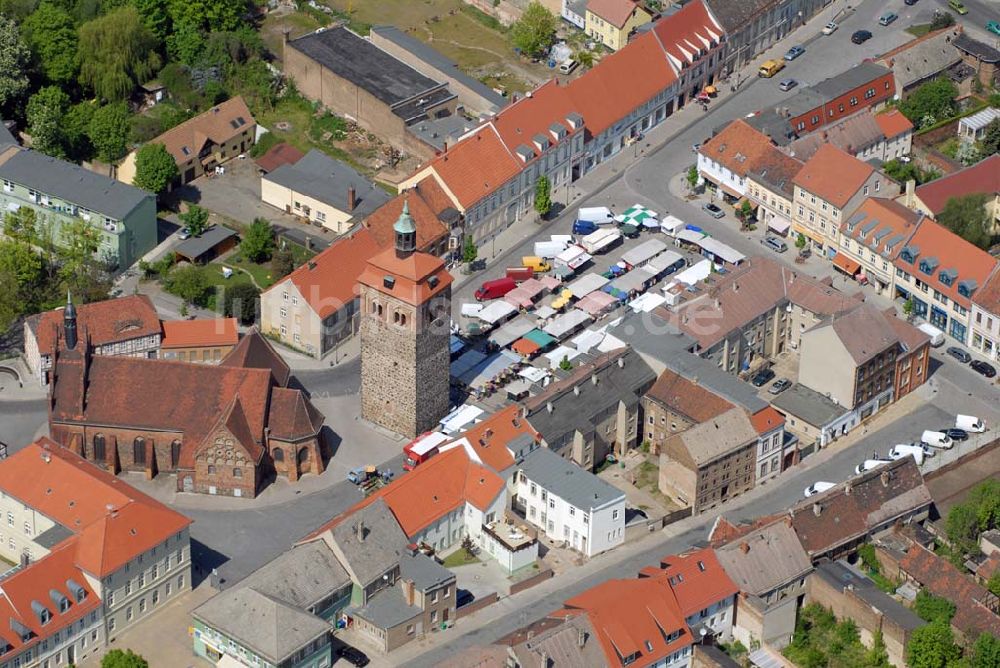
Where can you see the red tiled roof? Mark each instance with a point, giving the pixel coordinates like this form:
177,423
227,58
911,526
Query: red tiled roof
834,175
982,177
475,167
426,201
615,12
697,580
688,32
893,123
988,296
204,332
215,125
952,253
291,416
412,274
686,397
489,438
431,491
766,420
629,616
282,154
254,352
519,123
112,522
103,322
329,280
891,215
738,147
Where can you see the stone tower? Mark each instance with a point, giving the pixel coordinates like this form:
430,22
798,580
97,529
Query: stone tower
405,302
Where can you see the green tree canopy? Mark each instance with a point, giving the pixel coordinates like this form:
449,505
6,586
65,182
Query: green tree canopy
117,658
109,131
986,651
207,15
21,225
240,301
117,52
933,100
46,109
931,608
469,251
991,139
14,59
195,219
156,15
932,646
282,263
51,33
258,241
543,196
155,168
188,283
967,217
535,31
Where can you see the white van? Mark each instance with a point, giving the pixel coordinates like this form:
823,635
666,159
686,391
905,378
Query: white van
936,439
937,336
905,450
599,215
568,66
549,249
970,423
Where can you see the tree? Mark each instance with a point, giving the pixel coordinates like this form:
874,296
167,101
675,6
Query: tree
932,646
744,213
543,196
942,20
800,241
45,112
585,58
187,282
75,126
565,364
117,658
282,263
155,168
195,219
934,99
240,301
254,81
109,131
14,58
962,526
117,52
21,224
908,308
535,31
258,241
986,651
156,15
692,177
51,33
469,251
931,608
991,139
967,217
207,15
994,583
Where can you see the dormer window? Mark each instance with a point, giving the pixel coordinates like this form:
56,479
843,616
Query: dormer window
948,276
76,589
41,612
928,265
59,600
23,632
908,254
966,288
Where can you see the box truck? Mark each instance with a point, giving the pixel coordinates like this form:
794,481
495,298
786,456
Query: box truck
937,336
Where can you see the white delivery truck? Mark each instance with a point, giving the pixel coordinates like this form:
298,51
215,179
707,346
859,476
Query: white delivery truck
599,215
970,423
549,249
573,257
671,225
936,439
601,240
937,336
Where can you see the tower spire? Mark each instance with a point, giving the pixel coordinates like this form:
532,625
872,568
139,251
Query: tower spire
69,322
406,231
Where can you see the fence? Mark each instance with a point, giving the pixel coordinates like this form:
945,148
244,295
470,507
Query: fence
528,583
640,529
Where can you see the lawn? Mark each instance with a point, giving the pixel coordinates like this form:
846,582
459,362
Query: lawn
919,30
262,272
459,558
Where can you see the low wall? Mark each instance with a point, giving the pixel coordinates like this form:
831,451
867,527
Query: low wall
528,583
478,604
640,529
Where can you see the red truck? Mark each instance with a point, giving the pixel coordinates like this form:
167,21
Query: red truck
495,289
422,448
520,274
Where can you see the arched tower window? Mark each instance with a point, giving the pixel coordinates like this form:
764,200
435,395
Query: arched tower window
139,450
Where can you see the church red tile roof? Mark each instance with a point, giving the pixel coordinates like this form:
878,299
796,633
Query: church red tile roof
426,202
103,322
254,352
417,277
292,416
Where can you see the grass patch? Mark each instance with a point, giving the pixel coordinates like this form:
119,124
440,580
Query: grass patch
298,113
919,29
482,17
459,558
261,272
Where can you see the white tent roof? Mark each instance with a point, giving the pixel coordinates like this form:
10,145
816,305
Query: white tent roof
719,249
645,303
556,356
690,235
588,338
697,272
586,284
644,252
459,418
496,311
566,323
671,224
534,374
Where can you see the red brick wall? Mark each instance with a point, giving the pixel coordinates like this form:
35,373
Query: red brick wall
118,446
912,378
831,112
293,463
223,465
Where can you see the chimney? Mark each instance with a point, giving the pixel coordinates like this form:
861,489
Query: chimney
408,591
581,638
284,36
885,477
847,488
352,198
911,189
817,509
744,547
593,379
621,362
359,531
736,286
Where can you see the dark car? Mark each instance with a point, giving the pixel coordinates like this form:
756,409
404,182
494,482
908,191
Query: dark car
955,433
909,2
464,597
984,368
861,36
762,377
353,656
959,354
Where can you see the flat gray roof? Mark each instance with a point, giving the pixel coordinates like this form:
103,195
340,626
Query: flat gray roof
195,247
321,177
52,536
440,62
578,487
365,65
387,609
438,131
72,183
808,405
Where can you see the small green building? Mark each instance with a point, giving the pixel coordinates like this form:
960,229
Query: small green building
61,192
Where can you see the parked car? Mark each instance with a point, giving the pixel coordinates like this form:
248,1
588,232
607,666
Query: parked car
907,450
794,53
353,656
713,210
909,2
788,84
970,423
958,7
861,36
955,434
185,233
779,386
984,368
775,244
887,18
993,27
818,487
830,28
870,464
696,147
936,439
762,377
959,354
464,597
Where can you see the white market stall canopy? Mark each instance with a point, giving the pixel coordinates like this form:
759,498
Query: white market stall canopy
644,252
496,311
586,284
562,352
671,225
566,324
459,418
647,302
511,331
720,250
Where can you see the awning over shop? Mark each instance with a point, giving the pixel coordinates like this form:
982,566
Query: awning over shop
525,348
456,344
596,303
539,338
779,225
846,264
